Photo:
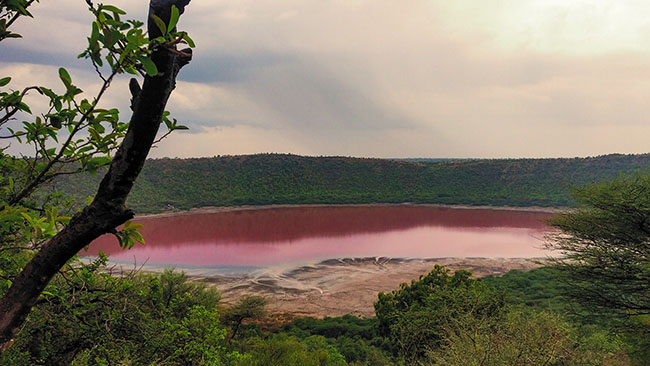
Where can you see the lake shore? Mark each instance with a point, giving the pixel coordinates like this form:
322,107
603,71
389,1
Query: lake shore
214,209
336,287
346,286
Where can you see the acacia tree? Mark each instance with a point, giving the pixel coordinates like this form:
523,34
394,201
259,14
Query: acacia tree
416,316
74,135
248,307
605,245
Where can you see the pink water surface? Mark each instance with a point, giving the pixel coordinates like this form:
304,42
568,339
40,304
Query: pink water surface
263,237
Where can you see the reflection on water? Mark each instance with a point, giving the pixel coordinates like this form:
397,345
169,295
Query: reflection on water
274,236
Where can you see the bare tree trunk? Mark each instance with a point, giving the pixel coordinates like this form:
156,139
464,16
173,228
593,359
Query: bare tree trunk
108,210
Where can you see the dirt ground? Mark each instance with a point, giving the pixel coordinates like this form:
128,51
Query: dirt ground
346,286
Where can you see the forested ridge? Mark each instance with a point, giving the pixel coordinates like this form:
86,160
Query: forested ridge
291,179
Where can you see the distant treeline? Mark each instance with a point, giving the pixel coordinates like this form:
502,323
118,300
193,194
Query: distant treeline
290,179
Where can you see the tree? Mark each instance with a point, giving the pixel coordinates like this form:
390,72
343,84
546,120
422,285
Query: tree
521,338
90,317
415,317
605,245
248,307
37,239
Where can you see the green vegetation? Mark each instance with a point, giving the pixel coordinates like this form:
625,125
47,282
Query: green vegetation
416,317
521,318
357,339
605,241
522,338
530,321
88,316
71,134
591,308
548,289
290,179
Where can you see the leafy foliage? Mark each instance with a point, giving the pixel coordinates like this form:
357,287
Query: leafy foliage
537,288
357,339
10,11
606,245
248,307
415,316
92,315
73,134
521,338
290,179
546,290
86,317
282,350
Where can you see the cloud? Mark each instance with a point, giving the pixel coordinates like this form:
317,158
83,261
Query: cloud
228,140
385,78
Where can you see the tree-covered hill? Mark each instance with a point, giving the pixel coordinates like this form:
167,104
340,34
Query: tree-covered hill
291,179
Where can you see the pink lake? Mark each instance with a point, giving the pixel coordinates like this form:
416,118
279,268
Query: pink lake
276,236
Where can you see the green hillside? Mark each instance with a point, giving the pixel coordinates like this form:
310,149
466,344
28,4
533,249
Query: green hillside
291,179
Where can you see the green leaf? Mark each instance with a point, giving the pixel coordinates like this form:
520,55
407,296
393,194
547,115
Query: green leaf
174,19
49,93
55,121
149,66
159,23
94,35
99,161
24,107
5,81
65,77
135,23
108,38
120,240
113,9
138,237
129,225
189,40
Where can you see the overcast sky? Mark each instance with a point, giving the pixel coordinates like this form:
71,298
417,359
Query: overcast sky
383,78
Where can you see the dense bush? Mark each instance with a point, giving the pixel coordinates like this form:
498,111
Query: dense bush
283,350
415,316
357,339
89,316
522,338
546,289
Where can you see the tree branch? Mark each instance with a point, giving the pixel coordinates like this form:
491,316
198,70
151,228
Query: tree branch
107,210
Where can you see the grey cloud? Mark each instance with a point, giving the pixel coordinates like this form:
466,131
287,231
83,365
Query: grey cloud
12,53
307,97
229,68
384,78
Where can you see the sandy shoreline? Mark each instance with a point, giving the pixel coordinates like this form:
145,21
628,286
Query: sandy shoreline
346,286
211,209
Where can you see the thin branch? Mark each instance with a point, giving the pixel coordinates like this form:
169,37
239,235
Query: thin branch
39,179
99,72
4,119
163,136
18,15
